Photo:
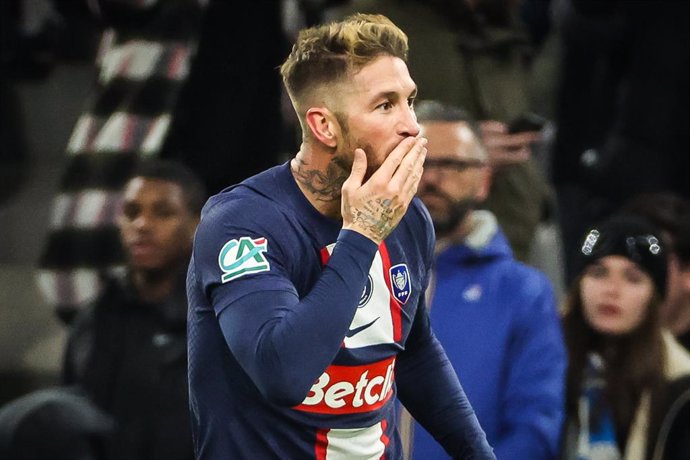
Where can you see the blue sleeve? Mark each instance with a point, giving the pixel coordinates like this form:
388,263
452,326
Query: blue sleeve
534,402
284,343
430,390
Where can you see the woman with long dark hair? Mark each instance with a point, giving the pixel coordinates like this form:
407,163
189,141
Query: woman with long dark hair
628,381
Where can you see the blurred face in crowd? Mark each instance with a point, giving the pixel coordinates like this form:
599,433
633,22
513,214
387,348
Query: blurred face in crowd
616,294
374,111
456,176
156,225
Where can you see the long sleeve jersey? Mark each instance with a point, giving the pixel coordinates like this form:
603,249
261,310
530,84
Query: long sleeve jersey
301,334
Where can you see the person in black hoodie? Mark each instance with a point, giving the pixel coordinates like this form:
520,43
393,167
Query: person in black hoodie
128,349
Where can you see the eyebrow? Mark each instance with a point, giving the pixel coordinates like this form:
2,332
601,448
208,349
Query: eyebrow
393,95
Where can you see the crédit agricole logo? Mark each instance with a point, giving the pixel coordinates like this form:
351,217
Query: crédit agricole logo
243,256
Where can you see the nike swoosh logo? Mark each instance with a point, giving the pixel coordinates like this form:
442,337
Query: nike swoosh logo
357,330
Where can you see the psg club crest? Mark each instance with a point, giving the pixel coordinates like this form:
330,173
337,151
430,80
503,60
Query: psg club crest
400,283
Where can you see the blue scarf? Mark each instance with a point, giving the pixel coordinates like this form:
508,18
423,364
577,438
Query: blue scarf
597,435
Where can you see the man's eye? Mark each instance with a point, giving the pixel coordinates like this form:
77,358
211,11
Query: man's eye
386,106
130,212
163,211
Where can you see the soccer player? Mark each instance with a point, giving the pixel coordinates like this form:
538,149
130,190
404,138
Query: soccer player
306,285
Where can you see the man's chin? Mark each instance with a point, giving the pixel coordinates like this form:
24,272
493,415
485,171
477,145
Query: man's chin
442,228
145,265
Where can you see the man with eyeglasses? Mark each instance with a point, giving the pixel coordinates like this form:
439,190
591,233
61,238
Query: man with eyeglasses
495,316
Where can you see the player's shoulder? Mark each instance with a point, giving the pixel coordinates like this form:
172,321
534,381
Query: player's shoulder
257,200
239,199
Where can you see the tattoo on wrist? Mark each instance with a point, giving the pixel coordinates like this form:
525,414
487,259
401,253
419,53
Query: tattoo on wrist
377,217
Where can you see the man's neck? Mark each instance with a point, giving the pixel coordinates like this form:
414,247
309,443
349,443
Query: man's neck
455,236
320,181
154,286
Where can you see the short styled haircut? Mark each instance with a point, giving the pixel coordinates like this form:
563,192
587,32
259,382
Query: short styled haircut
173,171
330,53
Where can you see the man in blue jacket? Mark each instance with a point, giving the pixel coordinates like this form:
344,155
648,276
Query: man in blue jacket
495,317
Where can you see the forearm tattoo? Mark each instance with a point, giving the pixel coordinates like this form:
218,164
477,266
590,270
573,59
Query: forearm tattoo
324,186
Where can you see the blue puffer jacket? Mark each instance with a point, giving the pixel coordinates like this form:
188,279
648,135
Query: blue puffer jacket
498,322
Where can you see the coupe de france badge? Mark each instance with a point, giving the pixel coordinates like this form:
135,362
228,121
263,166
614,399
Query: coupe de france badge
400,282
243,256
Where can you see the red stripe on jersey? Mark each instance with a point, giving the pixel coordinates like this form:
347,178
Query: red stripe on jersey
384,439
396,308
325,255
321,447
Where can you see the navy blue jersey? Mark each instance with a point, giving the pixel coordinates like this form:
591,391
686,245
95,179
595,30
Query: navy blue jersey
298,330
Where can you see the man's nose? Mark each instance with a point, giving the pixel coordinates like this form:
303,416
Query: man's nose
430,179
141,222
431,174
408,125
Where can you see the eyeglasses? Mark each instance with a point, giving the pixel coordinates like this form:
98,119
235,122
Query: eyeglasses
452,163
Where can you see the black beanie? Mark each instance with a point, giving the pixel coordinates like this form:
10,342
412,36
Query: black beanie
632,237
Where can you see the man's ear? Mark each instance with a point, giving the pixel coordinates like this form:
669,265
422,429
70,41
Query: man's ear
322,125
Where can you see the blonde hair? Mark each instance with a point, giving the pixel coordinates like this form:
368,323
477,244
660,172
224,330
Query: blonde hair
330,53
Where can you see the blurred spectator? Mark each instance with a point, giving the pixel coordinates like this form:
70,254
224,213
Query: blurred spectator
671,214
128,350
53,424
622,112
628,380
496,317
175,81
476,54
143,62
